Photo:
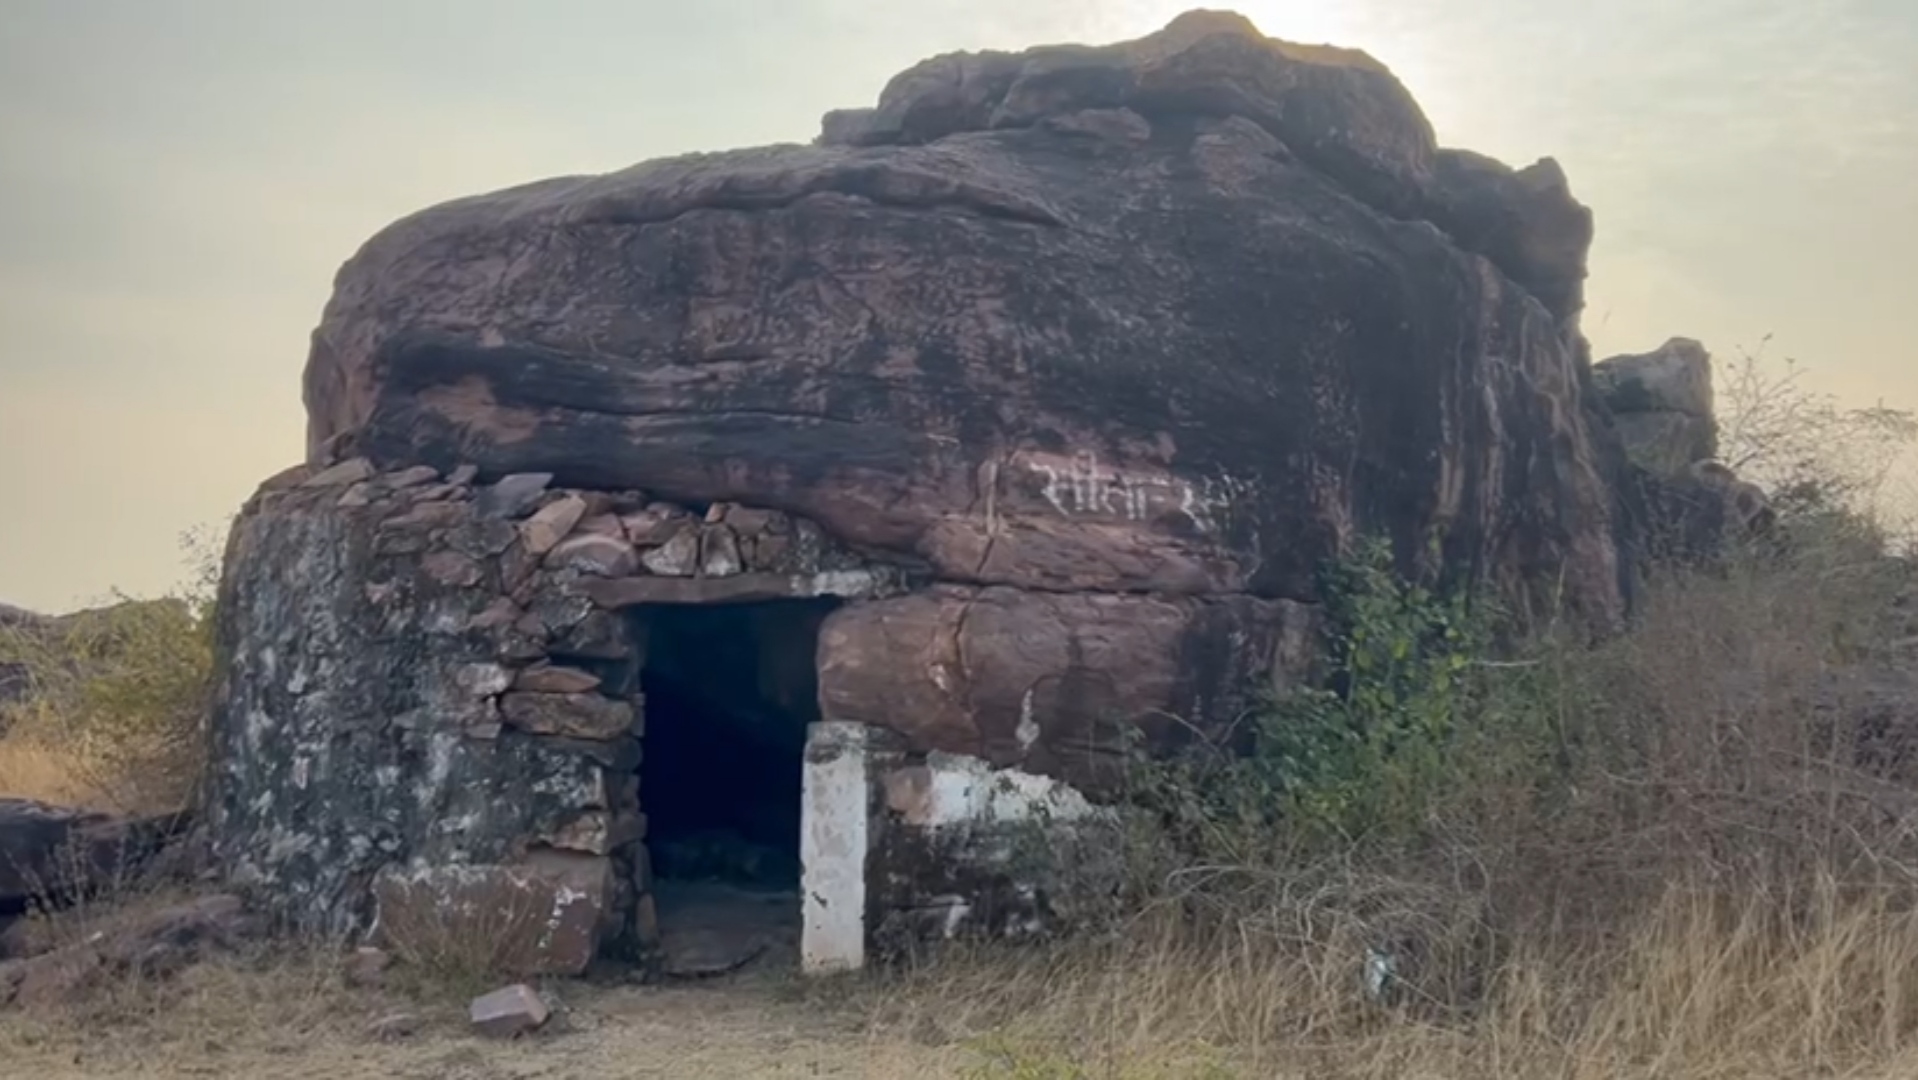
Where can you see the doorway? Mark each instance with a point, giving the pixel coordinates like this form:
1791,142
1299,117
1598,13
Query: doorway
730,691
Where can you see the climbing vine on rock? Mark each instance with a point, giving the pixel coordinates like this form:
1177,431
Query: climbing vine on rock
1368,752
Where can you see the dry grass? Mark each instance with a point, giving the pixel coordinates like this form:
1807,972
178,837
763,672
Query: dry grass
32,769
245,1006
290,1019
1704,986
1713,874
116,716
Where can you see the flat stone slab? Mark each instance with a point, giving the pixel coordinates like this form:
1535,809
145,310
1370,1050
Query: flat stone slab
545,914
709,929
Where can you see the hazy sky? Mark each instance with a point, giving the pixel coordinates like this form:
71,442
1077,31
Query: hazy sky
179,180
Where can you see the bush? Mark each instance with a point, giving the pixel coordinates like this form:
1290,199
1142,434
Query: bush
116,711
1821,462
1413,716
1650,855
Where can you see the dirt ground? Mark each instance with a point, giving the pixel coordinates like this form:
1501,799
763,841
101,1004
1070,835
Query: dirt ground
731,1029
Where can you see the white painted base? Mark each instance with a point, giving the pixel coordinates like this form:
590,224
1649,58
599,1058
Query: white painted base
946,798
956,790
833,841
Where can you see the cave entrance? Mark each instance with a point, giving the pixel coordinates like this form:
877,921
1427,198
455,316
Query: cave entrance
730,691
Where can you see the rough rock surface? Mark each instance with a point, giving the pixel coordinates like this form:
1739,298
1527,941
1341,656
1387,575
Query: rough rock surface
550,914
49,855
962,848
148,944
1180,315
1050,682
1066,369
1662,404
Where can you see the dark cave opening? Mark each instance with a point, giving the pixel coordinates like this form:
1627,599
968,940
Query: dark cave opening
729,693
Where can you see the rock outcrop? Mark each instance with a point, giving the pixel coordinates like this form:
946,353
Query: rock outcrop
145,944
1662,407
53,855
1065,370
1662,403
1180,316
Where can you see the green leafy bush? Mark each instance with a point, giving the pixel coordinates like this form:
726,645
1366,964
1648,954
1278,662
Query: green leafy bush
1412,716
1370,753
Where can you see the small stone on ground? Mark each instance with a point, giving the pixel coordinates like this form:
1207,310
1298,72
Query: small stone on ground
509,1012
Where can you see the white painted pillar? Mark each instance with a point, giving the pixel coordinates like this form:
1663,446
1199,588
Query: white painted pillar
833,840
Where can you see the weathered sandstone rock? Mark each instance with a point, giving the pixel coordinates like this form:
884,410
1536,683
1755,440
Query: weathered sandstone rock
540,916
553,679
51,855
146,944
1049,682
1688,505
513,495
594,553
1049,384
1662,405
579,716
1179,315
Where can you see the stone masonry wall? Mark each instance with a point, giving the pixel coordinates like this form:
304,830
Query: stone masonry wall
428,703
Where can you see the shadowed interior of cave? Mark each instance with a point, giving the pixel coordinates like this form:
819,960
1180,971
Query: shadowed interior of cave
729,692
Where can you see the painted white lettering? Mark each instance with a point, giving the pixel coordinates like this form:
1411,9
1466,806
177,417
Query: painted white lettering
1079,485
1051,491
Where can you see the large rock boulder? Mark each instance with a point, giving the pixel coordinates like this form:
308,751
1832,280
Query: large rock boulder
1662,403
1064,370
1687,504
1181,315
52,855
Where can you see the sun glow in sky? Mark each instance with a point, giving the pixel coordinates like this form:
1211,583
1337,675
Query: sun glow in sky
179,181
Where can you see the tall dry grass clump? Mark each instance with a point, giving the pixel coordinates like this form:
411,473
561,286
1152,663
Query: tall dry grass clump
117,695
1689,851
